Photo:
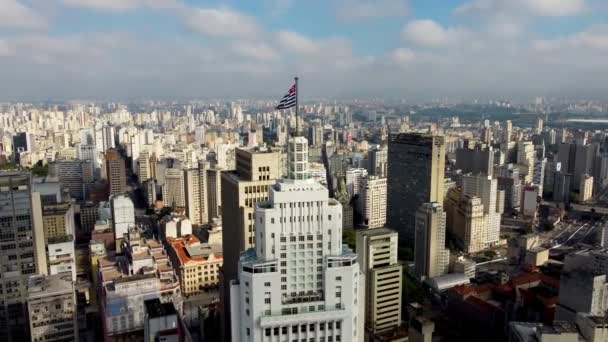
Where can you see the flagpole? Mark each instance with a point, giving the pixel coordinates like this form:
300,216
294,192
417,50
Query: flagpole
297,117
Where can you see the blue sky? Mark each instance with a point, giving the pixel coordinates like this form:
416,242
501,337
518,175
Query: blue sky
413,49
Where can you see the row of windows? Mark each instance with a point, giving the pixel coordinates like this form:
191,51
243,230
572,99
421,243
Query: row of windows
302,328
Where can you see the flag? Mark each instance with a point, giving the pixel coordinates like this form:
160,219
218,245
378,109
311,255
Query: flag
289,100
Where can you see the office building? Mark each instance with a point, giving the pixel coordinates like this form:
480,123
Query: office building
347,208
242,189
373,198
507,132
377,257
299,283
581,291
416,170
23,251
194,190
466,221
71,176
316,135
509,182
61,256
123,216
22,142
538,177
354,180
378,161
526,157
51,304
431,258
586,188
58,220
486,188
562,187
214,193
174,188
116,173
146,167
477,161
88,154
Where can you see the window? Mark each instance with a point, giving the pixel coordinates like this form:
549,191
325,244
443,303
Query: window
248,332
338,278
329,217
267,331
267,284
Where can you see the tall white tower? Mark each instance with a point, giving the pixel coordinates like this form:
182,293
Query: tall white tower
299,283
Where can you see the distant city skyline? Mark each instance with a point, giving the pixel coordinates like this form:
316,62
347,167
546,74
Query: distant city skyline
416,49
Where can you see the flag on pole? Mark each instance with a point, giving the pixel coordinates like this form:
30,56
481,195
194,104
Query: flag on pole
289,100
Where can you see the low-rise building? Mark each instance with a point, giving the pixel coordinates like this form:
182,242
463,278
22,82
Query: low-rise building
143,272
198,264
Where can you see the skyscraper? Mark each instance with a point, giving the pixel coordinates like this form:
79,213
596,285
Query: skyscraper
195,195
478,160
115,172
485,188
22,251
431,258
378,161
373,199
299,283
241,190
416,170
377,255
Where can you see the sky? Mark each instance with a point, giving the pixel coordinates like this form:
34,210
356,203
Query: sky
411,49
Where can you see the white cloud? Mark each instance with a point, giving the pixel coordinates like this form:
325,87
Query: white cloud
428,33
15,14
220,22
107,5
353,10
593,39
552,8
6,49
555,7
402,56
121,5
257,51
296,43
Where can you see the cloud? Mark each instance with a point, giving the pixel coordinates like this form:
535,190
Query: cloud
297,43
15,14
402,56
6,49
428,33
355,10
106,5
256,51
551,8
279,7
593,39
220,22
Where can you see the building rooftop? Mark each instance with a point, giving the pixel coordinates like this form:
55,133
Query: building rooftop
44,286
60,239
189,248
155,309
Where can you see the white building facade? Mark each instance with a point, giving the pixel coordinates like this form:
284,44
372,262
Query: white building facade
299,283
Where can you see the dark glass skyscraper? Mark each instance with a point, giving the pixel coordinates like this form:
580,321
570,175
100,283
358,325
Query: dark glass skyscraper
416,169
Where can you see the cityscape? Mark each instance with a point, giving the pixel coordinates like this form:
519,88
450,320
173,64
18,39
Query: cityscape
328,199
